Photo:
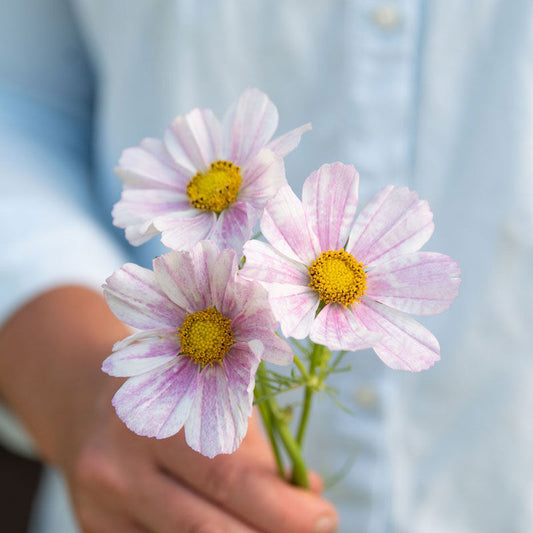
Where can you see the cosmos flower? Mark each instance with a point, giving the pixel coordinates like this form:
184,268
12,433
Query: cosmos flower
349,284
205,180
203,332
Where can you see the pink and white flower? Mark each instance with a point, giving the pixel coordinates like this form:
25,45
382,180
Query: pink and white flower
348,284
205,179
203,332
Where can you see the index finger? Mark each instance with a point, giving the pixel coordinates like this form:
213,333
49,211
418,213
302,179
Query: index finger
246,485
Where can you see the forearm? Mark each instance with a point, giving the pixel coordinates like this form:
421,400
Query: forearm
50,356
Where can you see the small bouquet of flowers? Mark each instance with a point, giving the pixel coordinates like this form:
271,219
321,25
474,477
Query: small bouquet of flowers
207,315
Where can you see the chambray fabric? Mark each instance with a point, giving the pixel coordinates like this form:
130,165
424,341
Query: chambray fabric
436,95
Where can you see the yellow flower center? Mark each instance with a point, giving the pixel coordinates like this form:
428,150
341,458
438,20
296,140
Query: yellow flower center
206,336
338,277
216,188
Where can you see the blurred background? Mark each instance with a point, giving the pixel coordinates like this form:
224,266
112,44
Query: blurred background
435,95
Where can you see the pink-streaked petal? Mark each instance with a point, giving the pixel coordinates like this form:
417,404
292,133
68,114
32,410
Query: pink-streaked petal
136,298
329,199
158,403
194,140
405,343
185,276
262,177
222,276
234,226
149,166
219,417
294,307
137,231
265,264
183,230
255,322
246,297
248,125
395,221
240,366
138,208
275,350
157,148
142,352
285,227
422,283
285,144
337,328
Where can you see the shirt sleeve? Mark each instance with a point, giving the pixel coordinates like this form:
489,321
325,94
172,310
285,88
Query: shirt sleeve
52,235
51,232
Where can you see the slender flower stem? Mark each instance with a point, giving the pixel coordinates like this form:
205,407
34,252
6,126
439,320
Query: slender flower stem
275,420
313,382
299,468
301,367
266,416
305,415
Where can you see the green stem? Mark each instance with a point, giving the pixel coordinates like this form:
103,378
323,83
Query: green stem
305,415
307,398
301,367
267,417
309,390
278,424
267,422
299,468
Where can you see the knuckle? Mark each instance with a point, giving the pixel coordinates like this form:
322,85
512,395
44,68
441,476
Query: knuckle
222,480
94,471
206,527
86,520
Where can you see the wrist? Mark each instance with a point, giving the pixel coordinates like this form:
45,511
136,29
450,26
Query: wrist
51,352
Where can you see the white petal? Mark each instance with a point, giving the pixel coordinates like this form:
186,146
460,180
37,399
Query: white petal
294,308
249,125
158,403
194,141
265,264
285,227
222,405
262,177
234,226
329,199
256,322
137,210
284,144
142,352
182,231
406,344
222,276
422,283
337,328
185,276
394,222
136,298
149,166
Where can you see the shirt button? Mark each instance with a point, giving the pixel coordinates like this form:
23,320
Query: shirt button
366,396
387,16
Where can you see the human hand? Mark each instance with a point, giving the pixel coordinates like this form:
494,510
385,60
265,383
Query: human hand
120,482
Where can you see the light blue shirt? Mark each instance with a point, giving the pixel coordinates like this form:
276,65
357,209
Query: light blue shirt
436,95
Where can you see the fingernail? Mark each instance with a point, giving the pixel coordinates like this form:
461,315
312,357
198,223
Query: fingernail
325,524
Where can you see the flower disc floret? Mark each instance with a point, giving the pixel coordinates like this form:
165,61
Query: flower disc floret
206,336
216,188
338,277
